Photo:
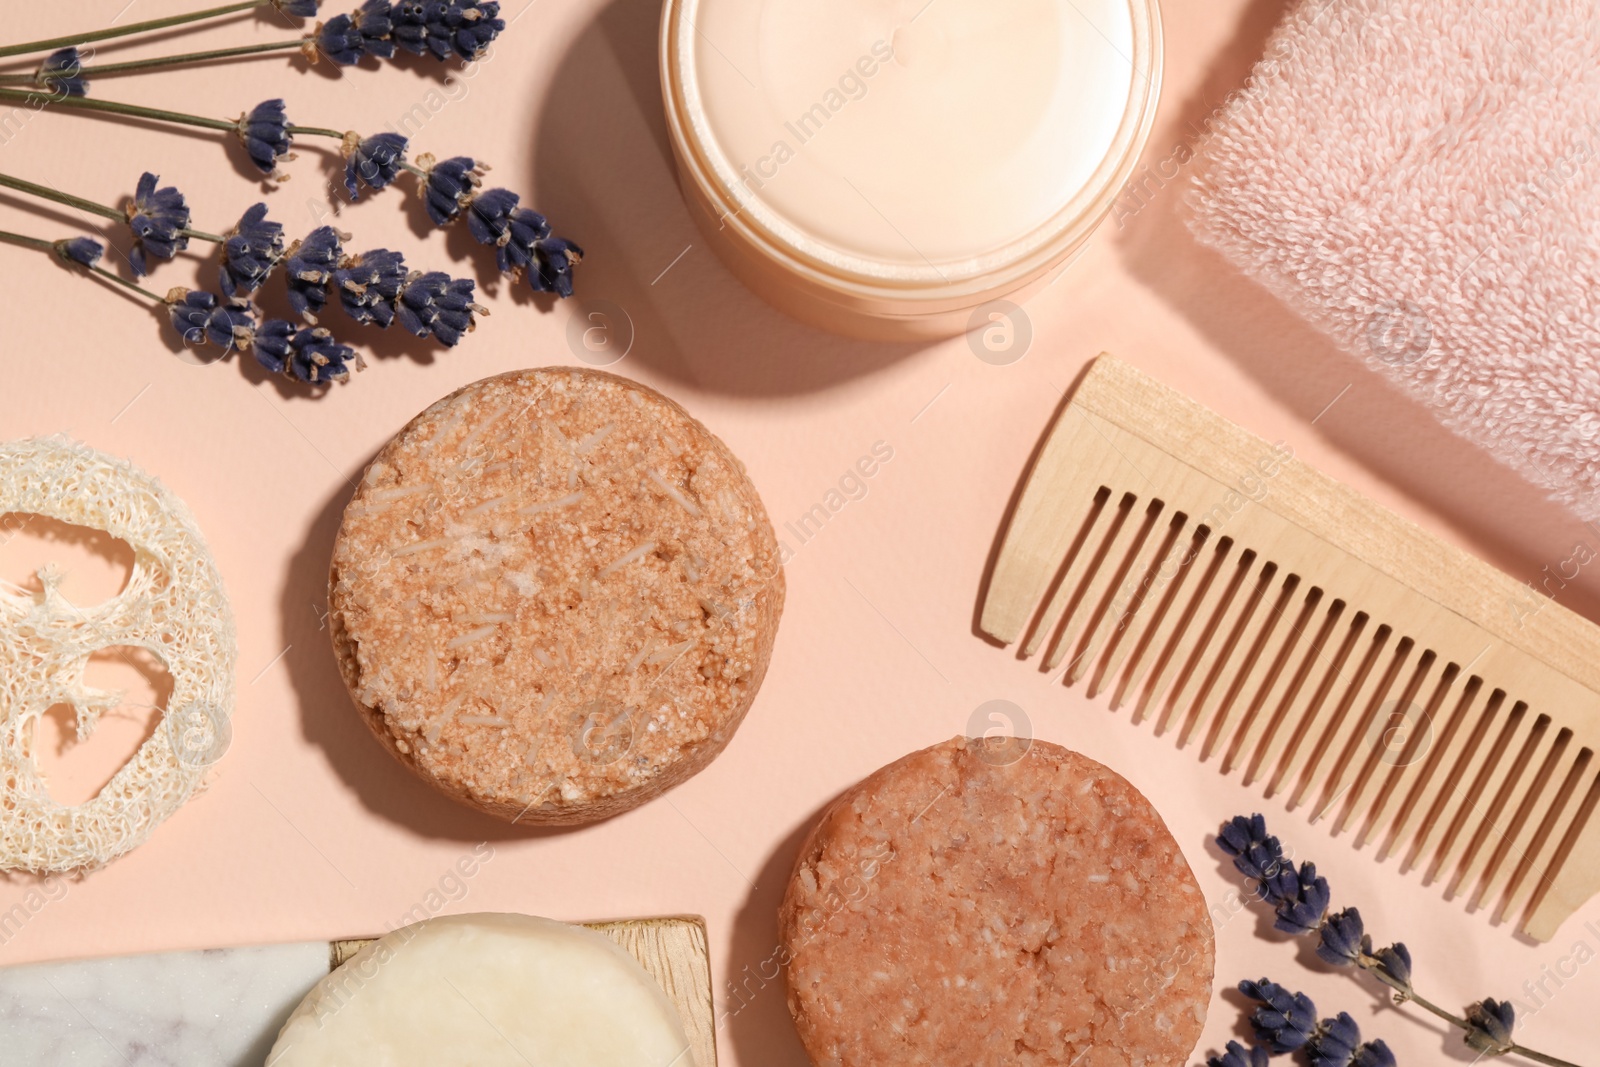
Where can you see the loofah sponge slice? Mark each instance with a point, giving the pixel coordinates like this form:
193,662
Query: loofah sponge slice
174,608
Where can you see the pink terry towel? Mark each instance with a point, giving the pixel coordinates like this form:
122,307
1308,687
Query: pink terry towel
1420,179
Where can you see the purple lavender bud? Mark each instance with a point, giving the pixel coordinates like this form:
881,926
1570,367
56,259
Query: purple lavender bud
1490,1023
273,346
309,268
1394,967
1343,938
373,22
515,251
368,285
309,354
489,217
1303,913
317,357
199,319
375,161
84,251
1239,1056
252,249
557,256
264,132
1373,1054
157,218
1285,1020
61,74
449,187
438,304
341,41
446,28
1334,1042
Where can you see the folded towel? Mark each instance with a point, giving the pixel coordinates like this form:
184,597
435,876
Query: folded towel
1420,179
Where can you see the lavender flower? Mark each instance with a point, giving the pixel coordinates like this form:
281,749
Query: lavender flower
1303,913
1334,1042
1394,968
1256,853
449,186
1373,1054
157,218
1343,938
1337,1043
1301,900
302,9
273,346
490,216
84,251
1489,1025
264,132
340,41
199,319
310,265
368,285
1285,1020
410,19
373,22
515,250
522,241
557,256
438,304
251,251
473,28
375,160
309,354
464,28
1239,1056
61,74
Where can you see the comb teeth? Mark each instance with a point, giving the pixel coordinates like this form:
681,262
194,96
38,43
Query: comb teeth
1338,710
1280,625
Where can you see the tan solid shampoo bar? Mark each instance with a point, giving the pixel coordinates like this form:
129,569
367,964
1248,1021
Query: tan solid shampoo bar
555,595
487,990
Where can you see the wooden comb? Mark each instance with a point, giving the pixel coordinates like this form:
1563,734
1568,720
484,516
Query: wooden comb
1285,625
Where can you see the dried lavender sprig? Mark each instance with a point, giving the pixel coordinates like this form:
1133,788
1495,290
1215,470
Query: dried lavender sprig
61,74
522,239
289,7
461,29
79,253
1343,941
309,354
44,192
101,70
311,46
524,245
73,252
265,130
182,118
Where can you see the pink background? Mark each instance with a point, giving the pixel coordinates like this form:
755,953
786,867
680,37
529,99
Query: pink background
308,830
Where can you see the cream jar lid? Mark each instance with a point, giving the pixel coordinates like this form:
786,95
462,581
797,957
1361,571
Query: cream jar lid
912,144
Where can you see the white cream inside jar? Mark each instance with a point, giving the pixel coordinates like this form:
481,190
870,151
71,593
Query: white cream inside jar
906,157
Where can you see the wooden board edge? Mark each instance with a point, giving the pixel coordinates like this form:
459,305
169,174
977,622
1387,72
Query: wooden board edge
674,949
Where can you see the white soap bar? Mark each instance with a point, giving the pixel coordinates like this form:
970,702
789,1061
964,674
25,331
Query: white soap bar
490,991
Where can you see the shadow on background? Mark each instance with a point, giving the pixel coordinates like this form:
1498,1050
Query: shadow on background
605,176
758,1020
1509,520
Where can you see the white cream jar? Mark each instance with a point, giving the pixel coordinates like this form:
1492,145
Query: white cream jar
884,167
